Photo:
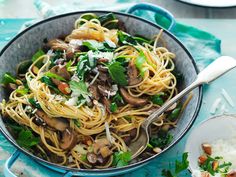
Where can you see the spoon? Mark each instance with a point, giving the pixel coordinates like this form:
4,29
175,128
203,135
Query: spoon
210,73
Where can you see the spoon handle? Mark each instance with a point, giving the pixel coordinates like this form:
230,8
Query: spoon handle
210,73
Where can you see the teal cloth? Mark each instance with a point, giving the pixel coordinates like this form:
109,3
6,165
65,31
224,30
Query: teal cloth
203,46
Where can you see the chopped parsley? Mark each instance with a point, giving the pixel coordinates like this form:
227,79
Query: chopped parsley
121,158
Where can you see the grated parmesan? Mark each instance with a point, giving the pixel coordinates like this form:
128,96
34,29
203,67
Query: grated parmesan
94,79
225,148
227,97
72,101
108,133
215,105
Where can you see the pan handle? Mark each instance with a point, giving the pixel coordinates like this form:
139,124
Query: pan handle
154,8
7,172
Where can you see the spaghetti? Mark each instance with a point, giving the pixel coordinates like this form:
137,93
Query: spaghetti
85,97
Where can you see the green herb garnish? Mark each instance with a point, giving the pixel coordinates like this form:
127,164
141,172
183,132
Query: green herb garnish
38,54
139,62
34,103
173,116
78,88
158,98
8,78
22,91
25,138
77,123
113,107
53,75
221,168
179,167
117,73
162,139
121,158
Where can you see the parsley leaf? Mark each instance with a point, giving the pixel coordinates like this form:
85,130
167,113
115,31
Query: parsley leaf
139,62
38,54
179,167
222,168
49,83
77,123
162,140
173,116
93,45
34,103
121,158
125,38
117,73
109,21
113,107
53,75
8,78
158,98
78,88
22,91
26,139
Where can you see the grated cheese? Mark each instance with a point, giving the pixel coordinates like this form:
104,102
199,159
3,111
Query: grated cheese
110,43
94,79
72,101
215,105
227,97
225,148
108,133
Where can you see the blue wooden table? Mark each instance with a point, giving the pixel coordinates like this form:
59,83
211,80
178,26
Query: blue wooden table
27,167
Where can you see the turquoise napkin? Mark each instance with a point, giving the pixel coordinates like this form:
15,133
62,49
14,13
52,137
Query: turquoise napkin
202,45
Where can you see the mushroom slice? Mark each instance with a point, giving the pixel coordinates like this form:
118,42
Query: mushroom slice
92,158
133,75
57,123
94,91
61,71
69,139
105,151
99,143
107,103
132,100
57,44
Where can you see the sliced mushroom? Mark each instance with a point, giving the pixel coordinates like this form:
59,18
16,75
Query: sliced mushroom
105,151
69,139
132,100
57,44
61,71
87,140
93,89
103,77
101,160
107,104
11,87
55,81
99,143
57,123
102,68
133,75
102,60
92,158
103,90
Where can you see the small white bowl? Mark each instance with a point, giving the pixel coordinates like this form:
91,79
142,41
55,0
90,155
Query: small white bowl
218,127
